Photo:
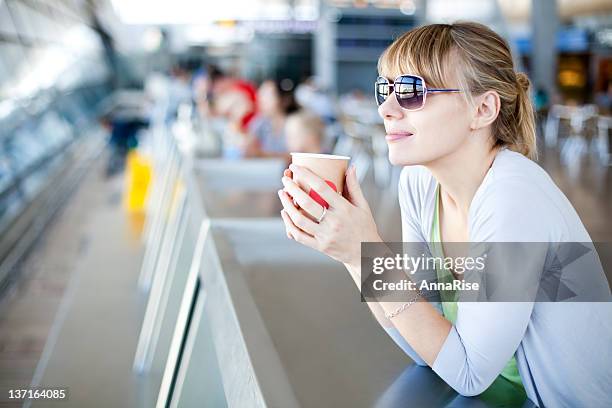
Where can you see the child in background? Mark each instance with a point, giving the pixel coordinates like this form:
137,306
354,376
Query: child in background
304,132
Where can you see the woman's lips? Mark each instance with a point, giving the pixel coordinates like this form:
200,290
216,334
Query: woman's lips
391,137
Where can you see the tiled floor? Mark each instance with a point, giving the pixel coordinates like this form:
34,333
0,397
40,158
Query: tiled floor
29,308
588,186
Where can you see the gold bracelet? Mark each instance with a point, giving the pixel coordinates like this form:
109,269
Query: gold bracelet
403,307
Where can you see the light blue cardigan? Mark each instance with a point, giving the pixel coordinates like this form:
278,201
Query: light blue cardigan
563,349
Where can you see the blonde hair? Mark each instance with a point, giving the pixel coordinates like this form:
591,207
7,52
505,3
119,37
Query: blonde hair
485,63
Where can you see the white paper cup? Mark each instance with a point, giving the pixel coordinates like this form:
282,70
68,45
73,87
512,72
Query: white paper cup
329,167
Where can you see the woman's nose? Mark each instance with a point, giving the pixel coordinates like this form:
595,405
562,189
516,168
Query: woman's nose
390,109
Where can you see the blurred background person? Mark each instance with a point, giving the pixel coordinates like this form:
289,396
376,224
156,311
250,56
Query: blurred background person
305,132
275,101
310,95
204,81
604,98
234,100
123,115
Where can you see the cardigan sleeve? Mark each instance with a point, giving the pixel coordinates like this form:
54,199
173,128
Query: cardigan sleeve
487,333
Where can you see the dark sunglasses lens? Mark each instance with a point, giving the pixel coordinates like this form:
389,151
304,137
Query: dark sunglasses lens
382,90
409,92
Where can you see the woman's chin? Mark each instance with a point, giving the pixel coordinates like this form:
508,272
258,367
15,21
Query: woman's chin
403,158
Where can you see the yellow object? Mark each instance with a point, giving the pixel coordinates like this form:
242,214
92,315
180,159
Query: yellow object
139,171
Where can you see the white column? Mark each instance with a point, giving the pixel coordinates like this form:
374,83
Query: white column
324,55
544,26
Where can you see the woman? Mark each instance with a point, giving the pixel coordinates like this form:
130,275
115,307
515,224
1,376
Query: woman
458,117
275,101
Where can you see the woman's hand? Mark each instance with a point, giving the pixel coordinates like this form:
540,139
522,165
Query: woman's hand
345,225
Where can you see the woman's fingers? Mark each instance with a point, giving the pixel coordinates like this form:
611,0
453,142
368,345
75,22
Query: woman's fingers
354,189
317,184
287,225
288,173
302,199
297,217
297,234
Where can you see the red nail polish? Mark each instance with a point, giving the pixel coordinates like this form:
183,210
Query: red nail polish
315,196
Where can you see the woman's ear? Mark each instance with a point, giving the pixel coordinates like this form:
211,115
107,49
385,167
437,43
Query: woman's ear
487,108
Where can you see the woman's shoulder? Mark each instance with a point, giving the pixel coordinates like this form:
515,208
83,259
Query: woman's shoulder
417,192
416,176
521,196
517,177
511,163
416,182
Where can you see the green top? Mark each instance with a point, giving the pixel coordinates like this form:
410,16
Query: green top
507,389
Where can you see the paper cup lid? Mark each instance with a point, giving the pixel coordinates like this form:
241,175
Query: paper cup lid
321,156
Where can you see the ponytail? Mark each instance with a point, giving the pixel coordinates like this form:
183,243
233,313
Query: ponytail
523,137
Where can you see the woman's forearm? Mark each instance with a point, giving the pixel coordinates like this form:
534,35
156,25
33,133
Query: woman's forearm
376,309
421,325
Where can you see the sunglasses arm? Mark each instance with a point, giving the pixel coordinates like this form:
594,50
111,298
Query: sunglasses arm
443,90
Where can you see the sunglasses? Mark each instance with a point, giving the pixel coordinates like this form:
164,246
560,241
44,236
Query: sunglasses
410,91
